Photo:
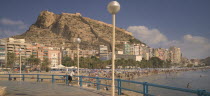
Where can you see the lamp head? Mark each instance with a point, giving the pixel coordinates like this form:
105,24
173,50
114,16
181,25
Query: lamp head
113,7
78,40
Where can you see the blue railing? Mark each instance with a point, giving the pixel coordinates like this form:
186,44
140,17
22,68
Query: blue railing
97,82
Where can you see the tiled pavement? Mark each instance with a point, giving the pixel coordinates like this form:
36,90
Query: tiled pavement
15,88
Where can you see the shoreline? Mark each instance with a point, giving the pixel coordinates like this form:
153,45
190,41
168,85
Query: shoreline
128,74
132,75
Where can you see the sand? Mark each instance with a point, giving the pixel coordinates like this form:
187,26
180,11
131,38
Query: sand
2,91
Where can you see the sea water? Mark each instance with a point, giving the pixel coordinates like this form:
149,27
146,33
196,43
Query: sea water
198,79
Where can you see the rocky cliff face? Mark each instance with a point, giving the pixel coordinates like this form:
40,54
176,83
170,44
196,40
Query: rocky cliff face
60,29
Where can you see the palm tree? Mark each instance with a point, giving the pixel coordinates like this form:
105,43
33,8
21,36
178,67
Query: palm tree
11,58
33,61
45,64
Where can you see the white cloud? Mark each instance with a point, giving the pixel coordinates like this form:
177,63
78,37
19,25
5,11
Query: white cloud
19,24
195,39
10,22
7,33
10,27
149,36
194,46
191,46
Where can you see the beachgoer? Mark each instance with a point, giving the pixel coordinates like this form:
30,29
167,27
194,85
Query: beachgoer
107,88
70,77
188,85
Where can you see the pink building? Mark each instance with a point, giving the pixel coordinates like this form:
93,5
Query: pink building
54,55
161,53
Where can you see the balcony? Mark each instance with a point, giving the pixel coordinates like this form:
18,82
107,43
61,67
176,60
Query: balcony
45,56
10,46
34,53
10,49
28,50
2,57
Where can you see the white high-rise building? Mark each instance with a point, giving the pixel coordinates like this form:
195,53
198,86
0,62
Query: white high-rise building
103,52
175,54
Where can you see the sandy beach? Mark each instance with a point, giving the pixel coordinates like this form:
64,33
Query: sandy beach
124,74
2,91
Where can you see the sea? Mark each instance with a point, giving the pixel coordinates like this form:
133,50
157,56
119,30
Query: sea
198,79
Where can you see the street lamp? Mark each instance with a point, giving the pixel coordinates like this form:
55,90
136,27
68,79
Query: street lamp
78,41
20,62
113,7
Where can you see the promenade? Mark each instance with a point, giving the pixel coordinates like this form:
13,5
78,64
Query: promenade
16,88
53,84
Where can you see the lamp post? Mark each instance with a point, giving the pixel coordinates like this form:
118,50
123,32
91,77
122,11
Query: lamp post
113,7
20,63
78,41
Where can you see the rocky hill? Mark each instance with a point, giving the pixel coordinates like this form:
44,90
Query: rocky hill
206,61
60,30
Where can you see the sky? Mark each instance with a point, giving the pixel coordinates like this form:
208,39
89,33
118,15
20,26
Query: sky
158,23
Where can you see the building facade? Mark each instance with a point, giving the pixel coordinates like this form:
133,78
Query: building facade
54,55
103,52
161,53
126,48
3,53
126,57
175,54
18,47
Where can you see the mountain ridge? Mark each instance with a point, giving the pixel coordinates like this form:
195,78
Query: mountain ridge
59,30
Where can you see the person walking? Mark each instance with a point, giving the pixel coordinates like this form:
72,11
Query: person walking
70,77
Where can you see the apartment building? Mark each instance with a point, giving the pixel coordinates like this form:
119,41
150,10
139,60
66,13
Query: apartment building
82,53
151,52
175,54
161,53
127,49
54,55
136,49
17,46
39,51
3,52
126,57
144,51
103,52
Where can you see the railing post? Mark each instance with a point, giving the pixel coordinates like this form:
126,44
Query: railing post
145,88
23,77
67,80
80,81
98,83
119,86
9,77
201,92
53,80
37,77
